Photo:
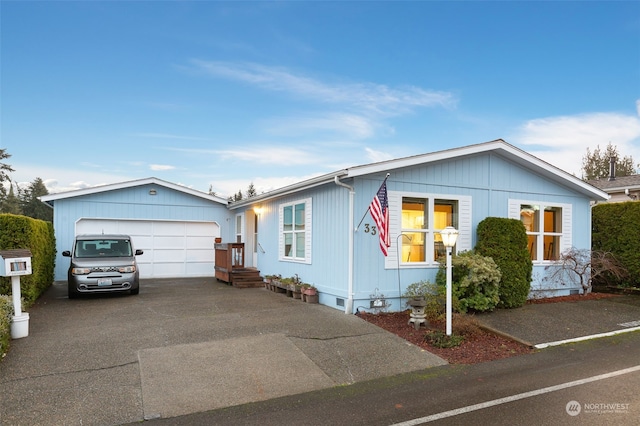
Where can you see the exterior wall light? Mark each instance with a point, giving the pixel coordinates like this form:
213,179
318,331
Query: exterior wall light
152,192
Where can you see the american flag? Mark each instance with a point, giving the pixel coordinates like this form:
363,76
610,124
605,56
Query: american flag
380,213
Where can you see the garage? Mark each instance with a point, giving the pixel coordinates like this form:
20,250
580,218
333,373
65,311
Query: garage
171,248
175,226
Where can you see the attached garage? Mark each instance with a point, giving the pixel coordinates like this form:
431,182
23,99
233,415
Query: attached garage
171,248
175,226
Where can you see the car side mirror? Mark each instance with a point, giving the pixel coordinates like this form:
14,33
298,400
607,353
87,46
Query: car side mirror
66,253
139,252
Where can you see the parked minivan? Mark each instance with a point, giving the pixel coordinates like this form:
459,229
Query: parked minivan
102,264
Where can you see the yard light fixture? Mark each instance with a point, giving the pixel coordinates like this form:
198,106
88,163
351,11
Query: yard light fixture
449,236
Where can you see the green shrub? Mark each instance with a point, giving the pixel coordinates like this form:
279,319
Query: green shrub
505,241
433,295
615,228
6,312
440,340
475,281
21,232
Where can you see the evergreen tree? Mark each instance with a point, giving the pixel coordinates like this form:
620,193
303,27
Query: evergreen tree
4,168
595,165
11,203
32,206
251,190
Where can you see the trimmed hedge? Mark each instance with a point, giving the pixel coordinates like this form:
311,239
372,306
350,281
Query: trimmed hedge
615,228
6,312
505,241
21,232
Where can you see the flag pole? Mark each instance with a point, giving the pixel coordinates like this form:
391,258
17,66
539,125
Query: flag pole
369,208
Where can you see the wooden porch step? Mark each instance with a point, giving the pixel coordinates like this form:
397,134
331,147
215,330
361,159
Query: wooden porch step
246,278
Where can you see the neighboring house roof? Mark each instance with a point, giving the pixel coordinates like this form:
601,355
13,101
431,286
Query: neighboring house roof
498,146
50,199
619,184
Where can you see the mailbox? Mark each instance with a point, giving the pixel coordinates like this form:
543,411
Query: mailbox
15,262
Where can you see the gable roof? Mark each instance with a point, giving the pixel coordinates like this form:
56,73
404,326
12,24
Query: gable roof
50,199
498,146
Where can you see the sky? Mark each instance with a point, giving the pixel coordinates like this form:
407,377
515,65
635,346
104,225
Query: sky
218,95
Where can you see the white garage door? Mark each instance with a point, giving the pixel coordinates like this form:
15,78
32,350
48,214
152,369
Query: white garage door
171,249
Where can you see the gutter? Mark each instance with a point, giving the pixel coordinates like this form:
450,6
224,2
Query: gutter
349,305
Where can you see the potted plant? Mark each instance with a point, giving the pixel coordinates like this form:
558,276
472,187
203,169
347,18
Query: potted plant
310,293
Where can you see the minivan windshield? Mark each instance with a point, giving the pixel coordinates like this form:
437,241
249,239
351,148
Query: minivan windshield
103,248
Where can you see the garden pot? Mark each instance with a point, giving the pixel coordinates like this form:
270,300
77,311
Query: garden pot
311,298
20,326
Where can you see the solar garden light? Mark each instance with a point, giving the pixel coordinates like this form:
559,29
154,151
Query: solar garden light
449,236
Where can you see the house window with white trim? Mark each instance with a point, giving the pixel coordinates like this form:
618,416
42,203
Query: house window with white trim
295,231
421,223
544,230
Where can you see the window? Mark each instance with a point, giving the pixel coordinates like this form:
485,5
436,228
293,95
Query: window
295,231
422,220
239,231
544,226
414,230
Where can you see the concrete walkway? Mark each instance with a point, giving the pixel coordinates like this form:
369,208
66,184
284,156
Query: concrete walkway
548,324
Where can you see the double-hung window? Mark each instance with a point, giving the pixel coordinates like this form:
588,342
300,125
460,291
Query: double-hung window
295,231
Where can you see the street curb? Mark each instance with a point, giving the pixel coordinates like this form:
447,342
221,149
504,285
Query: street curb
505,335
580,339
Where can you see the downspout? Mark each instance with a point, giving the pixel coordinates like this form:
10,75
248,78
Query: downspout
349,305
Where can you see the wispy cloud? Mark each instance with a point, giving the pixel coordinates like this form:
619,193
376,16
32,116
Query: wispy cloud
270,155
377,156
350,125
581,130
372,97
563,141
160,167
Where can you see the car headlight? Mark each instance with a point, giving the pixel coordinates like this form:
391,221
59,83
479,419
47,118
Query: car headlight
126,269
80,271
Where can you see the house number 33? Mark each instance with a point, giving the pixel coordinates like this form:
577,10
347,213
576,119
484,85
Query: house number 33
370,229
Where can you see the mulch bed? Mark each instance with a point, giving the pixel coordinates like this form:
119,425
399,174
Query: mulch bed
478,346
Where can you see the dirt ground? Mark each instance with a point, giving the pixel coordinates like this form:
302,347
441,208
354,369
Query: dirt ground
478,346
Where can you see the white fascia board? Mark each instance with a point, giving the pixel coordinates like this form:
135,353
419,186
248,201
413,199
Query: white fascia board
290,189
130,184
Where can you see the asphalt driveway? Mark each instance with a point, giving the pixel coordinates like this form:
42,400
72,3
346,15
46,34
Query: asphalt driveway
185,346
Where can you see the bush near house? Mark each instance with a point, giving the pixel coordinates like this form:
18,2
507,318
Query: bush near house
6,312
21,232
505,241
475,282
615,228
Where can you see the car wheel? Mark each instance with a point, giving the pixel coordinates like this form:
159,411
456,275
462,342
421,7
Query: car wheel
135,290
72,292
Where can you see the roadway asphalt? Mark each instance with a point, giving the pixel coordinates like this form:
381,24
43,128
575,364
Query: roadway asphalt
192,345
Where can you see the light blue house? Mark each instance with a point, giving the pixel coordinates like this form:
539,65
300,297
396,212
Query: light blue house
321,230
313,228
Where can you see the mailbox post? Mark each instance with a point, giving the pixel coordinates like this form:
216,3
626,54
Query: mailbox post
14,264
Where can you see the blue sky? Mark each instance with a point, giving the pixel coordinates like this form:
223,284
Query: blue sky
222,94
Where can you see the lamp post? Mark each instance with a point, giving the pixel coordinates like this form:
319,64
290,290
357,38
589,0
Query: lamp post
449,236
